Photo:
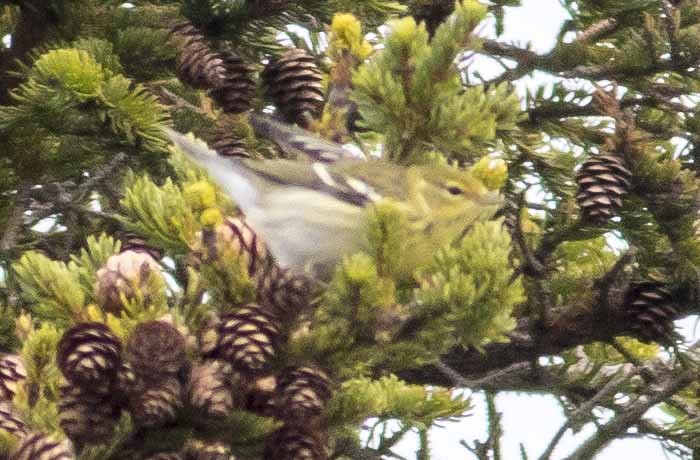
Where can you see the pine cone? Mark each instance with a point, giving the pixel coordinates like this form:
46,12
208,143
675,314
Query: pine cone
10,421
156,349
279,289
228,145
86,417
166,456
210,390
229,80
126,385
260,397
293,442
38,446
294,83
89,355
236,90
246,339
302,393
651,311
123,274
158,404
198,450
603,181
285,293
198,65
12,375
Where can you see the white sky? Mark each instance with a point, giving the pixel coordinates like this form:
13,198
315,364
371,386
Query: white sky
530,420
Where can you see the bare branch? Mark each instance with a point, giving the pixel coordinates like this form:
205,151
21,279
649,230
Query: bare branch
631,415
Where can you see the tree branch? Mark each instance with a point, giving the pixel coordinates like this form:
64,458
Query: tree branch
630,416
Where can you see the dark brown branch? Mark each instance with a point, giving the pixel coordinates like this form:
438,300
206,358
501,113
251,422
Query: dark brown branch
580,324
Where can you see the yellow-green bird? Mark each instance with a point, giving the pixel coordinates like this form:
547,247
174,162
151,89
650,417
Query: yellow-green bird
312,213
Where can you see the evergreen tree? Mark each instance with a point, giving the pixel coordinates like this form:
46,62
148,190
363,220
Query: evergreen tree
142,318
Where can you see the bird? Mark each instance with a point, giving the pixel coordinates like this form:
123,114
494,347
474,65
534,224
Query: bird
313,213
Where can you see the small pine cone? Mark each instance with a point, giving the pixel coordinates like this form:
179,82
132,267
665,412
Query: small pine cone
651,311
126,384
227,144
38,446
10,421
603,181
199,450
294,83
236,90
12,375
156,349
302,393
294,442
166,456
210,389
260,397
122,275
158,404
246,339
86,417
198,65
89,354
285,293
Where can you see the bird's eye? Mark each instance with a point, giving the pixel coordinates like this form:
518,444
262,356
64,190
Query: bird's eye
454,190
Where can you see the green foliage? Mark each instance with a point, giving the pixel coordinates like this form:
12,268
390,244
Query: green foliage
102,52
411,92
145,51
391,398
71,80
467,294
8,443
159,212
92,258
53,290
36,401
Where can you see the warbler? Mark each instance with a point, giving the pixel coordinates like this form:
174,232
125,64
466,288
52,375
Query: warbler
312,213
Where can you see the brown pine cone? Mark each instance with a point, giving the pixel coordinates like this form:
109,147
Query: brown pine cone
156,349
38,446
651,312
89,354
603,181
236,90
12,375
210,389
158,404
246,339
302,393
294,83
260,397
199,450
86,417
294,442
285,293
227,144
198,65
126,385
123,274
10,421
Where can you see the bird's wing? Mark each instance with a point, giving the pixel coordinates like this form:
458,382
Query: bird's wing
297,141
288,204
